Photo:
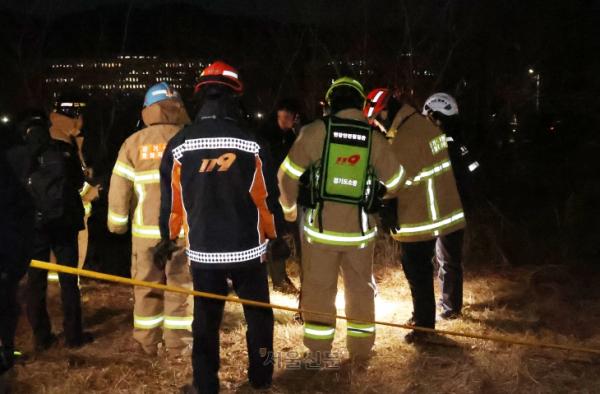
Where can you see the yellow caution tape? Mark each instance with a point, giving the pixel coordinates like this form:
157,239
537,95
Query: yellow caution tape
134,282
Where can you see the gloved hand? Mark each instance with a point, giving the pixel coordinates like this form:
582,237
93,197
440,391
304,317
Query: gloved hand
279,249
163,252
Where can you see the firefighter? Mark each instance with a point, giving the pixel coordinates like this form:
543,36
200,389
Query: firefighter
156,315
54,178
213,186
428,206
442,109
345,168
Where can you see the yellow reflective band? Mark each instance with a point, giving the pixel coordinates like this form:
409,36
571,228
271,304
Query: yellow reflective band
139,209
394,182
318,332
147,323
117,219
292,169
287,209
150,232
434,170
87,208
152,176
424,228
431,200
52,276
86,188
124,170
178,323
335,238
360,330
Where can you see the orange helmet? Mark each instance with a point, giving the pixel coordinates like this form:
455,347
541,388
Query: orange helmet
220,73
377,101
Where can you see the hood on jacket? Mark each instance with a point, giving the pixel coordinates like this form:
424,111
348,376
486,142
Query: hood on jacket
165,112
66,129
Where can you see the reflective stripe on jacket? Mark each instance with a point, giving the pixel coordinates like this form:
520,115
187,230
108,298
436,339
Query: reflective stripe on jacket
429,204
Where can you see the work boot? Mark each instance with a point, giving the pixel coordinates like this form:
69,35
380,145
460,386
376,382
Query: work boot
188,389
86,338
449,315
45,344
416,338
135,347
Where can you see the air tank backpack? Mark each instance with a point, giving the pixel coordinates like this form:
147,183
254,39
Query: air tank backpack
343,174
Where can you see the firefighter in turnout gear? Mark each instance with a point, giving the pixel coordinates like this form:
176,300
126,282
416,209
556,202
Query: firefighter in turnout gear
135,188
348,168
428,206
214,187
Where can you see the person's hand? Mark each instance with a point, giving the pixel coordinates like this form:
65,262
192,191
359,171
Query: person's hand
163,252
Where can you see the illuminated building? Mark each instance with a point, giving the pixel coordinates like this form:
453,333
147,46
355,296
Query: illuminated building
127,74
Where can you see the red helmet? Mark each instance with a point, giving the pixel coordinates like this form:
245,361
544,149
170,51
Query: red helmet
220,73
377,101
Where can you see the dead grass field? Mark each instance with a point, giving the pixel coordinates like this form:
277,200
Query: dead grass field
555,304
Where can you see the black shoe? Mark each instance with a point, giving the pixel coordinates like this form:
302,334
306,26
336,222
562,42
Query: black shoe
416,337
449,315
261,386
188,389
43,345
86,338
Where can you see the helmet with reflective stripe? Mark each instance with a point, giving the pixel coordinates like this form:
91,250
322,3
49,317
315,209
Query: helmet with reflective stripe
442,103
220,73
377,101
344,81
159,92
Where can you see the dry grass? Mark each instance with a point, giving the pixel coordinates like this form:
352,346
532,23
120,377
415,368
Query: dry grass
553,304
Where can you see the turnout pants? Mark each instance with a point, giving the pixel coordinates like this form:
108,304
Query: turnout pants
157,314
416,262
448,252
64,245
249,283
320,269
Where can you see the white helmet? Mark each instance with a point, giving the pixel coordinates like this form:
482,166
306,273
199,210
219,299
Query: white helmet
442,103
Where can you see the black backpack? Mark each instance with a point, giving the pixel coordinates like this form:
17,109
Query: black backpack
48,186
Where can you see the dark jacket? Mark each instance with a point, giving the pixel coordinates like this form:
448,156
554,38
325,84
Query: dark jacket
17,217
213,185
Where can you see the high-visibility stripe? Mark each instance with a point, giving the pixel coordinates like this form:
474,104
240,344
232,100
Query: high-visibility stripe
52,276
431,201
360,330
428,172
291,168
287,209
87,208
139,209
124,170
394,182
337,238
86,188
140,231
228,257
147,323
178,323
315,331
215,143
115,218
427,227
231,74
142,177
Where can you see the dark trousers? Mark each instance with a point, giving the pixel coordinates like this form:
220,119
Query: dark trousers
448,252
249,283
418,268
9,315
64,245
